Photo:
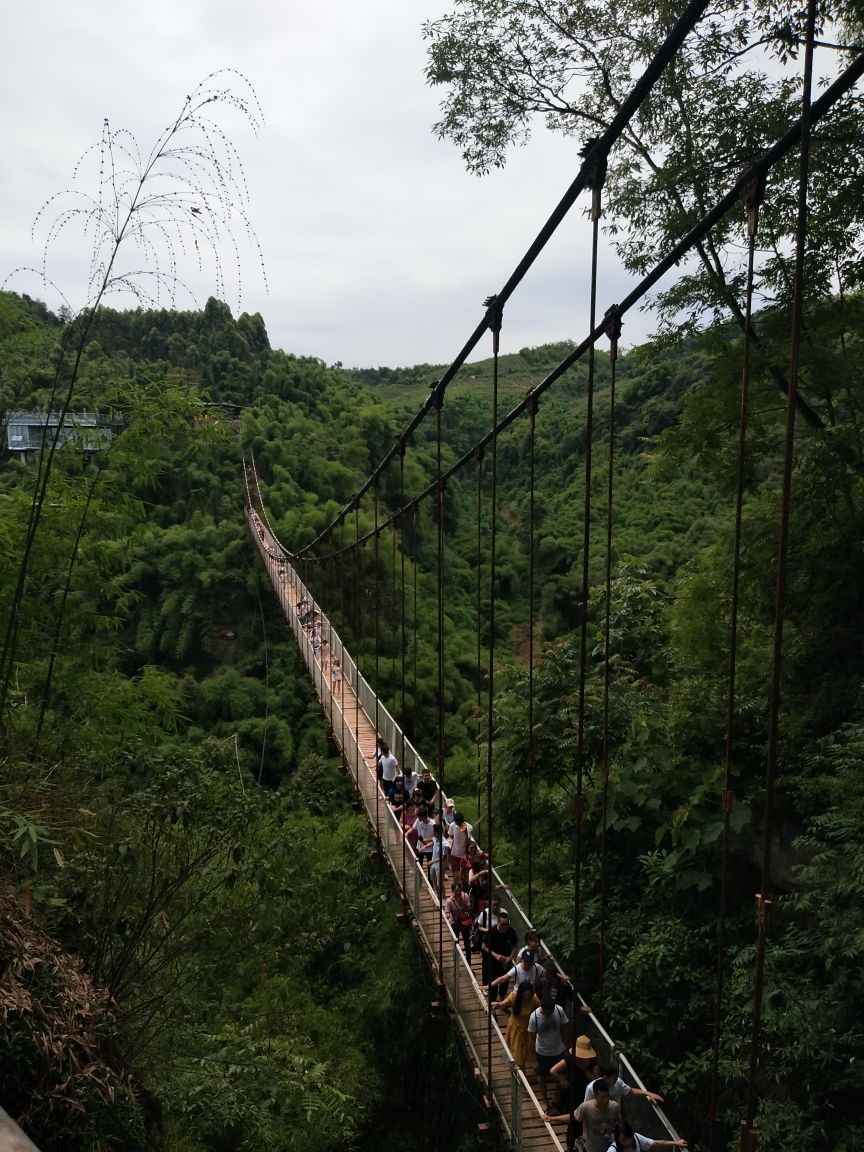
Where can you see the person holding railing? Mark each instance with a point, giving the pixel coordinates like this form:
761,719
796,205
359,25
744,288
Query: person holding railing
525,972
626,1140
592,1124
522,1001
579,1066
619,1088
388,765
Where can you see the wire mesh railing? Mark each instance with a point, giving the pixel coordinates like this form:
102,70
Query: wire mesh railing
345,700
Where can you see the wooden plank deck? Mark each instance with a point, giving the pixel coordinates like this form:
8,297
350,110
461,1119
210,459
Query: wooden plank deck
511,1095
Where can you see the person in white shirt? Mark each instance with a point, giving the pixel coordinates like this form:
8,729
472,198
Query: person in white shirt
425,829
619,1088
546,1025
459,835
626,1140
388,766
525,972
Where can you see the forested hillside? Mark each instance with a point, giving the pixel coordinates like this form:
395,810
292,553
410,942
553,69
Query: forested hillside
200,940
179,845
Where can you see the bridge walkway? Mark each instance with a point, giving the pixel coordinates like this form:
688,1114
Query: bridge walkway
356,718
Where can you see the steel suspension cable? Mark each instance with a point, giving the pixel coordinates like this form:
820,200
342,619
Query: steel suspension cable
614,333
624,114
357,620
753,197
532,418
379,780
403,631
771,156
763,901
414,624
494,320
394,624
441,708
579,797
478,739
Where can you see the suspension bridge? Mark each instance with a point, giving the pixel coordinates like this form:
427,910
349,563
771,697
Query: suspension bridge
317,571
357,718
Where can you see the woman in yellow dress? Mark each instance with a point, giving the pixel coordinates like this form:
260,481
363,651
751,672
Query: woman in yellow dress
521,1003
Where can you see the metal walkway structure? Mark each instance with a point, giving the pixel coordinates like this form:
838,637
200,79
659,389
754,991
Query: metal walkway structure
352,709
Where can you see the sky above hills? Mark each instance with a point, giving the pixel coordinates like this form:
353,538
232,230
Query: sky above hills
379,247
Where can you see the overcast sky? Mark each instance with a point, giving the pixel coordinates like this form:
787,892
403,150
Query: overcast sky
379,247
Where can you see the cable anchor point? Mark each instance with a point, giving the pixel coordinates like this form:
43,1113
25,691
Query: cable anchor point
612,327
494,319
752,195
594,167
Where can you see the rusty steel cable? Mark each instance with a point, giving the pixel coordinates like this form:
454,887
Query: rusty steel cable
494,321
532,419
614,334
617,126
752,199
763,898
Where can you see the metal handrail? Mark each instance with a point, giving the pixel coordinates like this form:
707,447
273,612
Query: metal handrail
390,730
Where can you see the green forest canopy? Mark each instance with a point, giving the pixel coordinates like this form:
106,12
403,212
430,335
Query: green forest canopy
175,747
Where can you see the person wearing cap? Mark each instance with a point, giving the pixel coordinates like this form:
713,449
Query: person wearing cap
580,1064
499,944
524,972
459,835
449,812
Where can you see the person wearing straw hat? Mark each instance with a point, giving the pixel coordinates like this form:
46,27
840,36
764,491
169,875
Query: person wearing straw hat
583,1060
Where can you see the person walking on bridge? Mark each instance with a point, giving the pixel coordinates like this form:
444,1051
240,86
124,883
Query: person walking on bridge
499,944
546,1025
626,1140
388,765
619,1088
594,1120
460,837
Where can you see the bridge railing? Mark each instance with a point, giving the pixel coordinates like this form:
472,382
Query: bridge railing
461,983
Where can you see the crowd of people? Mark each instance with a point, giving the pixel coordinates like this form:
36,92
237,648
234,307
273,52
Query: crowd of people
534,996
